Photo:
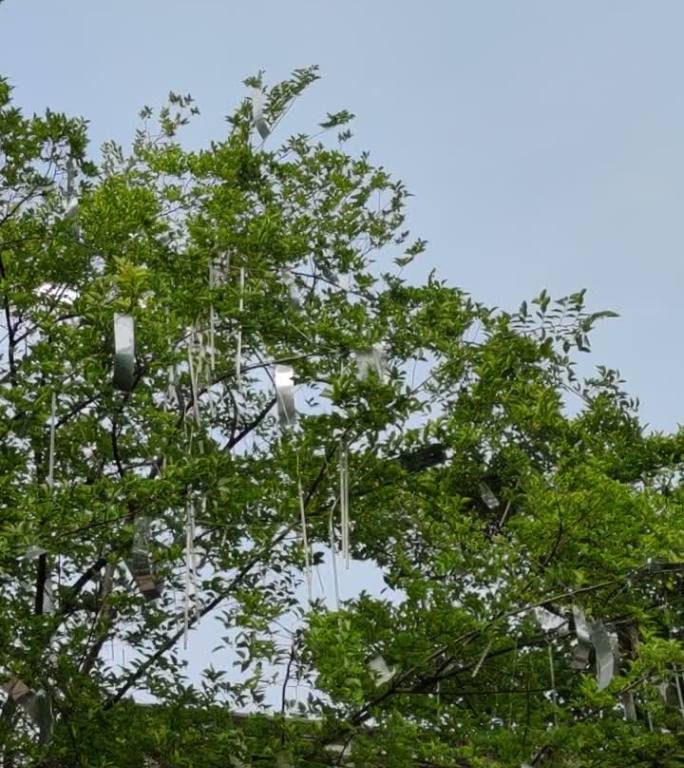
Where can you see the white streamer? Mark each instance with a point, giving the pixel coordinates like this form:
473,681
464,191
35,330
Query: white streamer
305,539
51,458
344,502
238,340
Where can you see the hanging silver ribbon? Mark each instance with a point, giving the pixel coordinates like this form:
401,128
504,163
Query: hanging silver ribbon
36,705
238,335
44,595
190,603
285,394
372,360
582,651
487,495
140,563
258,119
380,671
124,352
345,524
605,655
71,204
305,539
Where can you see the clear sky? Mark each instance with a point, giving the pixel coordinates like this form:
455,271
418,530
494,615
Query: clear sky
543,140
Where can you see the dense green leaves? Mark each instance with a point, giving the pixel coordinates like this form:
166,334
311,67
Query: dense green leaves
492,489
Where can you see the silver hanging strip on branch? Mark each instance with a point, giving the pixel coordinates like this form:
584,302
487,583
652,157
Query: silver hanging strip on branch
51,457
344,502
285,398
212,319
333,553
193,367
36,705
605,657
124,352
190,600
305,538
373,360
581,652
238,335
44,597
140,563
258,119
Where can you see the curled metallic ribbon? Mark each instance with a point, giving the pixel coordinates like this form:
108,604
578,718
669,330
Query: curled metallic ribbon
487,495
305,542
373,360
380,670
190,569
124,352
258,119
140,564
37,705
284,386
344,502
238,339
605,654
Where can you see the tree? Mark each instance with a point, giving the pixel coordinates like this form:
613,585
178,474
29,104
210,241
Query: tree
527,541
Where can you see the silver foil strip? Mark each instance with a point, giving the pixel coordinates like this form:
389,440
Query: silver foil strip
487,495
238,335
140,564
305,543
36,705
629,706
370,361
580,657
581,626
380,671
258,118
124,352
284,386
605,656
345,524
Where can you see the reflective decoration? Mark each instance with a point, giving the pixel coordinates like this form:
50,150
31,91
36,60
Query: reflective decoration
605,656
580,657
191,607
124,352
51,452
36,705
291,284
372,361
333,553
305,543
629,706
345,524
238,339
258,107
140,563
549,621
382,673
44,603
581,626
284,385
487,495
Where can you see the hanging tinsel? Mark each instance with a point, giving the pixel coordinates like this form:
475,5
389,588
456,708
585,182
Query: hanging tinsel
344,502
124,352
258,119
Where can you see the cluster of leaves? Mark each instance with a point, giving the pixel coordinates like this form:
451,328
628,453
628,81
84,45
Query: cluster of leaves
578,508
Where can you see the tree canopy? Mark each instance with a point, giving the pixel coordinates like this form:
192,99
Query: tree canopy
527,524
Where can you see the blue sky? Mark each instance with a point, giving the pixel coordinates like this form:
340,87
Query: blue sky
542,140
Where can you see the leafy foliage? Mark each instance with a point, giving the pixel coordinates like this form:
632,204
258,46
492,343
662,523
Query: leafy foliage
477,492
